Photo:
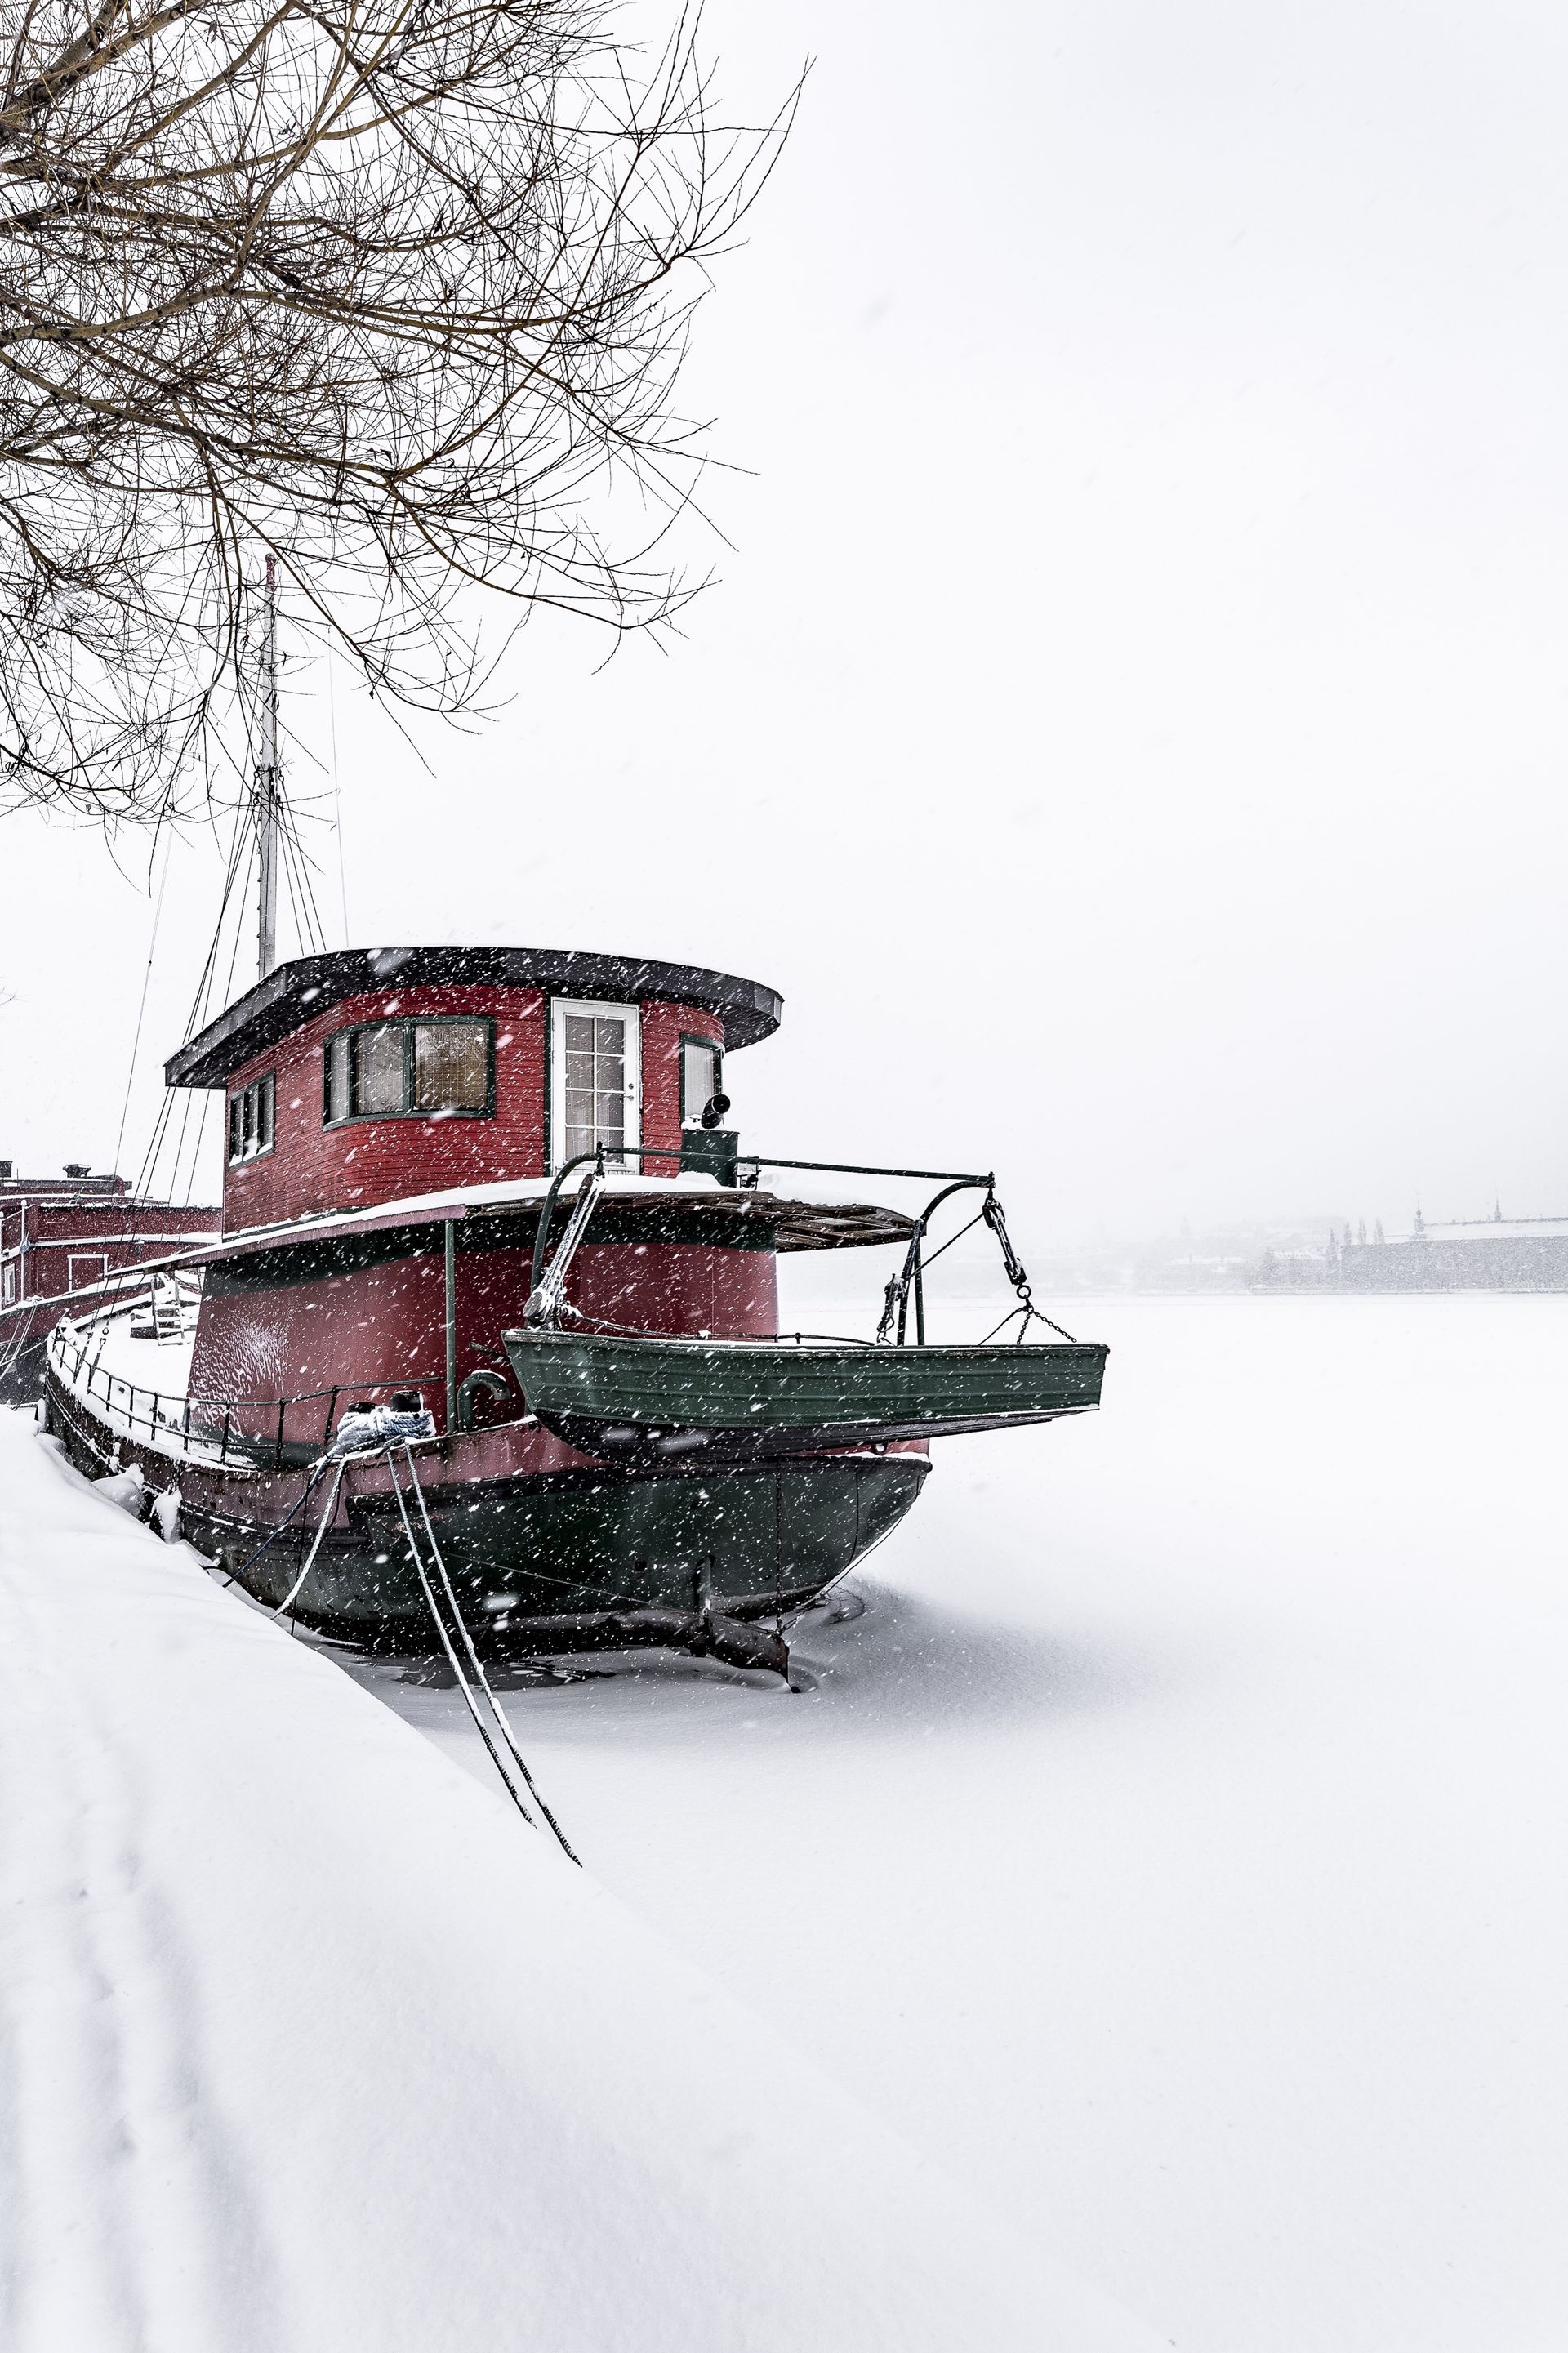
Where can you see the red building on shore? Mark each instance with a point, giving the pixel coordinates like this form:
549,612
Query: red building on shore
61,1237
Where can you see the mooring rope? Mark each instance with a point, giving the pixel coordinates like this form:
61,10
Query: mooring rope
299,1585
500,1716
283,1526
447,1645
496,1710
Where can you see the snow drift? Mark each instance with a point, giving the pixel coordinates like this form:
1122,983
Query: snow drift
306,2043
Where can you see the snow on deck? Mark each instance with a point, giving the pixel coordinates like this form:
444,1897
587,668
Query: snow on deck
308,2045
147,1364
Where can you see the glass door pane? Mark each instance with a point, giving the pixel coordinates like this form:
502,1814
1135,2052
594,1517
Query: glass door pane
596,1081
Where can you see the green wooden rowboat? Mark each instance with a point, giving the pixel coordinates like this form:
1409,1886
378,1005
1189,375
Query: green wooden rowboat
614,1395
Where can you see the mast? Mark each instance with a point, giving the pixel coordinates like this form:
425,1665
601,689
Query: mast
269,787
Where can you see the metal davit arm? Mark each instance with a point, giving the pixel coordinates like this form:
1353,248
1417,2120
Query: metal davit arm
910,1277
949,1177
544,1300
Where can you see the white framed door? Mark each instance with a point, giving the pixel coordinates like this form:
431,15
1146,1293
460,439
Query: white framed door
595,1081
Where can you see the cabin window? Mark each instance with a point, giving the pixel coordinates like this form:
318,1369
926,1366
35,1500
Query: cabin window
336,1078
251,1114
596,1081
379,1084
701,1077
451,1065
424,1069
8,1283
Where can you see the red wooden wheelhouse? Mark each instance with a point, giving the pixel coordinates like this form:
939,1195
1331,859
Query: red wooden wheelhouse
391,1117
365,1076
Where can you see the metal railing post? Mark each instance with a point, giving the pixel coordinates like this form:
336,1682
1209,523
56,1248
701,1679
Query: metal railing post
450,1230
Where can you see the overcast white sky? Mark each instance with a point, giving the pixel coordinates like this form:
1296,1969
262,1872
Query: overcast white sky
1131,727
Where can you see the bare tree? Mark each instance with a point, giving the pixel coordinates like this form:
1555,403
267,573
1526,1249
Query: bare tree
394,290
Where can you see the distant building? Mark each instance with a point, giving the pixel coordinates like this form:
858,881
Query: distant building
1495,1254
66,1235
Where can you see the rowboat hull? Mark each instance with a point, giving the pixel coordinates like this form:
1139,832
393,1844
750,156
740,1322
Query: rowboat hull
625,1396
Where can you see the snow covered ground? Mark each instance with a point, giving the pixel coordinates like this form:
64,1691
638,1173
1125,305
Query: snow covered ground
1174,1849
308,2045
1170,1853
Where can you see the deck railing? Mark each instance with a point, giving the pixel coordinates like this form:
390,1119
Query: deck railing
276,1431
259,1431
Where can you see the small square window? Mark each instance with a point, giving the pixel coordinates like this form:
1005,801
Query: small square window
699,1079
251,1119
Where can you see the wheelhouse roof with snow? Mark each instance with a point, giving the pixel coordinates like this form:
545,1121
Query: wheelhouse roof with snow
297,992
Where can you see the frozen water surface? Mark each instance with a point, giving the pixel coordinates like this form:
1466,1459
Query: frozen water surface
1174,1846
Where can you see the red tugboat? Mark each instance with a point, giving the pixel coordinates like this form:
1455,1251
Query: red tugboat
489,1189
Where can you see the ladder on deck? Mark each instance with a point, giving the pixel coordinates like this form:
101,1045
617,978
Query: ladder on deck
168,1311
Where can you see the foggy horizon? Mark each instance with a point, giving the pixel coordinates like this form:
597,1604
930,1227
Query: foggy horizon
1131,704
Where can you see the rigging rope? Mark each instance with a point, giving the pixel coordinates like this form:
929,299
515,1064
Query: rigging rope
141,1007
297,874
240,848
337,789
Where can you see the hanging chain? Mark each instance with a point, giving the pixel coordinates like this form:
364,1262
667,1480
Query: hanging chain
893,1298
900,1283
1017,1274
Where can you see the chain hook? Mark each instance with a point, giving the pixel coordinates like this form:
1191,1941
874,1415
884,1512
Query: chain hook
1017,1273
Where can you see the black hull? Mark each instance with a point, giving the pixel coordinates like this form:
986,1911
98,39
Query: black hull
589,1558
547,1561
